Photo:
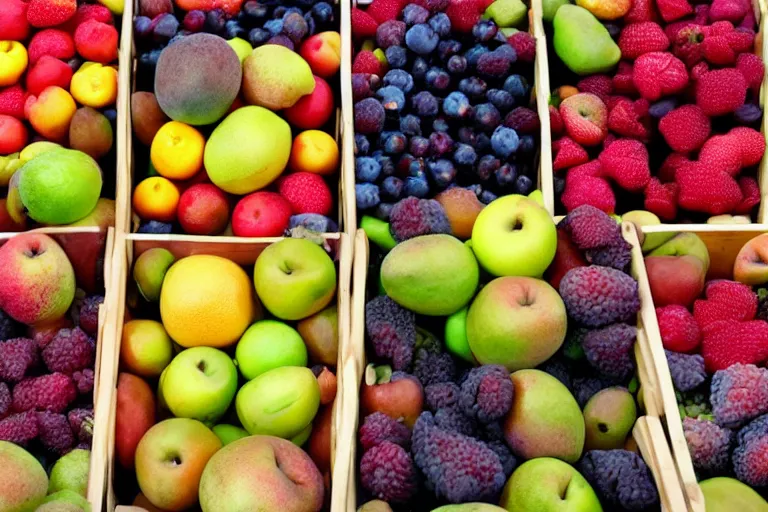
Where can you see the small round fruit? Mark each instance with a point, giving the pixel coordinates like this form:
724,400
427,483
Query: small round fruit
314,151
462,208
203,210
177,151
13,135
312,110
267,345
261,214
146,348
156,198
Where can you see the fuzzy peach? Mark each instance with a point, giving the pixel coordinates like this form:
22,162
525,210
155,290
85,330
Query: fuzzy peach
314,151
51,112
13,135
13,62
95,85
23,481
177,151
323,53
314,109
156,198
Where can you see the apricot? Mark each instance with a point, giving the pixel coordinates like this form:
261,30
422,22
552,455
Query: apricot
156,198
323,53
13,62
94,85
314,151
51,112
177,151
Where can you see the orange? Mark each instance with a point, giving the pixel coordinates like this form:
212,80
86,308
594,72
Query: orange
177,151
156,198
314,151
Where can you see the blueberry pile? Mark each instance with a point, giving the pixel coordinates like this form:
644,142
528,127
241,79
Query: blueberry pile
447,109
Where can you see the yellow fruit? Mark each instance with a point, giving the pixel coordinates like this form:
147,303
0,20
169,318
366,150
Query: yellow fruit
207,300
606,9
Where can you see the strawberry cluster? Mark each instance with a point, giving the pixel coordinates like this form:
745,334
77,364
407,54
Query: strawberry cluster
675,125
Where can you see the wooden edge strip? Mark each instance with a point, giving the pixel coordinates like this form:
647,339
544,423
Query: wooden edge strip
651,441
541,92
347,179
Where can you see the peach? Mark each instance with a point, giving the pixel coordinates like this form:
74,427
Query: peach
203,210
38,279
156,198
313,110
750,265
170,459
398,398
261,473
675,279
51,112
135,415
177,151
314,151
462,208
146,116
13,135
23,482
323,53
319,445
146,348
261,214
141,501
13,62
90,132
95,85
48,71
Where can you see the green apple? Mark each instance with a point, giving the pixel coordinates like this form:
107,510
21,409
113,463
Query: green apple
729,219
303,436
640,218
547,484
269,344
242,48
228,433
538,196
301,271
149,272
64,501
469,507
456,336
682,244
71,473
514,236
200,383
281,402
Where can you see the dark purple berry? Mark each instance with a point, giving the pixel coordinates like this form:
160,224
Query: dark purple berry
523,185
397,57
487,116
295,27
165,27
482,143
410,125
369,116
274,27
748,113
559,184
474,53
392,188
440,125
416,186
363,84
447,49
613,29
442,172
419,70
464,155
487,197
254,11
473,87
424,104
662,107
486,166
417,168
467,135
367,169
506,175
390,33
441,24
394,143
437,79
387,167
258,36
392,98
366,195
507,51
142,27
399,78
383,210
215,21
282,40
322,12
232,29
362,144
484,30
517,86
493,64
501,99
311,25
419,146
527,144
457,64
194,21
414,14
440,143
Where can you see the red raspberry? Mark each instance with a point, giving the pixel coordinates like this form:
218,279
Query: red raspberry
384,10
658,74
726,300
622,80
679,330
730,10
687,44
568,154
721,91
17,357
307,193
717,50
661,199
708,191
523,120
723,153
19,428
55,432
729,342
463,14
366,62
52,392
70,350
685,129
639,38
751,144
642,10
525,46
671,164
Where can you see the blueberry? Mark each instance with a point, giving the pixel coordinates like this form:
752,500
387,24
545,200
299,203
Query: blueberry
392,188
424,104
442,172
456,105
559,184
254,11
484,30
258,36
404,164
274,27
464,155
523,185
748,113
517,86
440,143
156,228
613,29
417,168
486,166
313,222
419,70
414,14
279,12
527,144
387,167
149,60
508,52
393,143
215,21
446,49
399,78
474,54
311,24
473,87
194,21
440,125
362,144
487,116
165,28
282,40
383,210
294,26
233,30
323,13
421,39
662,108
487,197
111,115
504,141
467,135
419,146
175,39
367,169
437,79
397,57
501,99
482,143
441,24
366,195
416,186
410,125
476,188
142,27
506,175
457,64
391,98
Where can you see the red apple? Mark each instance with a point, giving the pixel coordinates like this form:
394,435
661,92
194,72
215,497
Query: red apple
567,256
203,210
585,117
319,444
675,279
261,214
313,110
323,53
397,395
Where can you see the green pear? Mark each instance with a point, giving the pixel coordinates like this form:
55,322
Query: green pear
378,232
582,42
723,494
74,500
682,244
608,418
506,13
550,7
71,473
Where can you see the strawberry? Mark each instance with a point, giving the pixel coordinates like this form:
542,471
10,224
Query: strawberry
730,10
672,10
661,199
556,125
729,342
706,190
688,45
384,10
640,38
582,186
464,14
671,164
622,80
626,162
717,50
599,85
363,24
642,10
722,153
658,74
366,62
625,120
568,154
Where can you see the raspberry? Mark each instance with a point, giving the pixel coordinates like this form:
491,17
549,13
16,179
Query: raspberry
88,316
726,300
597,296
670,166
750,458
738,394
729,342
672,10
701,190
523,120
48,13
55,432
717,50
412,217
384,10
5,400
568,153
609,350
639,38
53,42
750,191
369,116
751,145
623,82
83,381
81,423
486,393
679,330
590,228
19,428
463,14
642,10
438,396
12,101
658,74
388,473
685,129
366,62
620,478
392,330
555,121
721,91
378,428
627,120
363,24
524,45
70,350
599,85
306,192
583,189
626,162
753,69
661,199
687,370
730,10
52,392
708,444
723,153
17,356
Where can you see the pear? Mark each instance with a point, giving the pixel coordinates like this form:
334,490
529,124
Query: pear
723,494
550,7
608,417
506,13
582,42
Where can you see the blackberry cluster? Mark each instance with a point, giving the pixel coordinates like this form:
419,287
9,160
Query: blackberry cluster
452,109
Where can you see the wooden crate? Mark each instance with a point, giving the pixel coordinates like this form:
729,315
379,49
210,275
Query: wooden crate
648,431
241,251
129,222
543,78
724,243
87,245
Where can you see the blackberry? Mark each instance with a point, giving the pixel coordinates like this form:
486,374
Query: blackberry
70,350
621,479
609,350
412,217
438,396
378,428
55,432
486,393
391,330
452,419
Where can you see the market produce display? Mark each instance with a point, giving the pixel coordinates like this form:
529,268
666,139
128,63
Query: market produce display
522,394
655,105
442,103
233,117
715,334
223,380
49,323
58,87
